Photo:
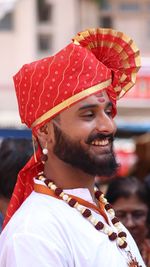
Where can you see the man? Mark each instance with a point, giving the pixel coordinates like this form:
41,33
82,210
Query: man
69,101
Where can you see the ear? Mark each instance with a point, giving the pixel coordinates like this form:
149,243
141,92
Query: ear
45,134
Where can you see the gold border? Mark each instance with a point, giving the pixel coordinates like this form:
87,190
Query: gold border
84,34
71,100
118,48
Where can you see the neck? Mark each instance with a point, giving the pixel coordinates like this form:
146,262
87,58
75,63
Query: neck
67,177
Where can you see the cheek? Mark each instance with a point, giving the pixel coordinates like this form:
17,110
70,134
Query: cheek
114,126
77,129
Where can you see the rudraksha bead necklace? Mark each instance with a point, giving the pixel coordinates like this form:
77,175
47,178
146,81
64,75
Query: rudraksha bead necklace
120,236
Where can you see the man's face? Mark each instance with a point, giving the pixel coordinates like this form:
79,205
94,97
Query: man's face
84,134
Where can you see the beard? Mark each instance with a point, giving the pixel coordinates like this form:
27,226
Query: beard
73,153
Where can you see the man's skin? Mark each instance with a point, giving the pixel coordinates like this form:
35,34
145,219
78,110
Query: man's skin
89,116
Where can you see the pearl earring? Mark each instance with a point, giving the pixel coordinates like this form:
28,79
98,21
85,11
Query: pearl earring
44,156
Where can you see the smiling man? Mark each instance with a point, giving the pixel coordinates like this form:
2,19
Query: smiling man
69,101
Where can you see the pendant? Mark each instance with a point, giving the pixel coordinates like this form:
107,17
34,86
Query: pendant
132,261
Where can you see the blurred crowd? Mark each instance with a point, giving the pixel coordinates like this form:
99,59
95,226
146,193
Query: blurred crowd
14,153
129,194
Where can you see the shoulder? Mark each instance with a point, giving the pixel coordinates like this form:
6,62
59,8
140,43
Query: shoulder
35,224
36,214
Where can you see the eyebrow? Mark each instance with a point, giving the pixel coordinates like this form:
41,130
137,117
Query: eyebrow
88,106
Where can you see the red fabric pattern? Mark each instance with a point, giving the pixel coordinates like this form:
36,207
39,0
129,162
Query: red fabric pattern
45,83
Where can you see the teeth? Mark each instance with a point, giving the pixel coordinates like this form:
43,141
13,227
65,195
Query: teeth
100,143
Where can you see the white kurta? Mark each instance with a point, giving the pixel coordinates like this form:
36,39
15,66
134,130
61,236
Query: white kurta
46,232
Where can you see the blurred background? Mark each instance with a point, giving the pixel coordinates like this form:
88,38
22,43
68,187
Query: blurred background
32,29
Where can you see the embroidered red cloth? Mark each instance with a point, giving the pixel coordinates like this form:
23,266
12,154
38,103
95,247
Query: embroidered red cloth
97,59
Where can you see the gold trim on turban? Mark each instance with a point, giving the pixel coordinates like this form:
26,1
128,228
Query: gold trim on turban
71,100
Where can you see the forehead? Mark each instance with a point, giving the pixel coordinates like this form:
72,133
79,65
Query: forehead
100,99
97,98
129,204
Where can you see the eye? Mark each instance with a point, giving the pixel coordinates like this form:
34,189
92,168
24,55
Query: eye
88,114
109,112
138,214
120,214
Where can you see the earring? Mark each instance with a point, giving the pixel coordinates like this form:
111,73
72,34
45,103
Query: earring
44,156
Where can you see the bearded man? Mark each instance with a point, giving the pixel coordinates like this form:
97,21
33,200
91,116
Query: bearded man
69,102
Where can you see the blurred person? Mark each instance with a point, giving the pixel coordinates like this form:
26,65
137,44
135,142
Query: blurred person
14,154
141,168
55,217
130,201
147,185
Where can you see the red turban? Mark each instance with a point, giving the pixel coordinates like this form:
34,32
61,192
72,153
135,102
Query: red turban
97,59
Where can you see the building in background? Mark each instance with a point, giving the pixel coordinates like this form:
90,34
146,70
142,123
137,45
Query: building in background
32,29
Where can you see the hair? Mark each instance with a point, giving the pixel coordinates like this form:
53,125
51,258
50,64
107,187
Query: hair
14,153
126,187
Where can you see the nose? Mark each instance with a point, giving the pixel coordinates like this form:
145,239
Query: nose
106,124
129,221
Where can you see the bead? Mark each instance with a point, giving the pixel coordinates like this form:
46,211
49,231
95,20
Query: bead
111,215
104,200
115,220
58,191
72,202
65,197
120,238
75,206
122,234
44,158
123,238
120,242
40,173
79,207
53,186
69,198
40,177
119,228
106,230
108,206
92,220
124,245
99,226
117,224
62,194
47,181
102,196
112,236
45,151
87,213
98,194
50,184
110,211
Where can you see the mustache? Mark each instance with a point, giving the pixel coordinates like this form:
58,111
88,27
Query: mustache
99,136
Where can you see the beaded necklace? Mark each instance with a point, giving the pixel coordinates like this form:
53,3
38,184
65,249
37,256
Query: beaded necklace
120,236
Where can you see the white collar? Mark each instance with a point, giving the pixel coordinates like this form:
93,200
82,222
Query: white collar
83,193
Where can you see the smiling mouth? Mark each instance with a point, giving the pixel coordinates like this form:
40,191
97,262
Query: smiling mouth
103,142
